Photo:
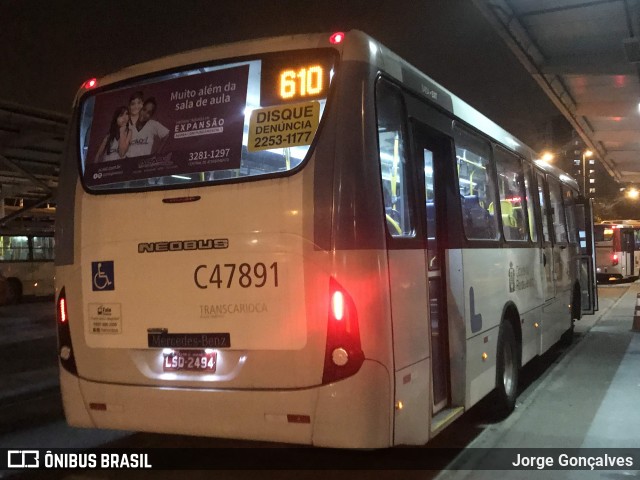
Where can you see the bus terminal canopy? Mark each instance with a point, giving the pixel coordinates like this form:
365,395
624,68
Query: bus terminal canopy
585,54
31,144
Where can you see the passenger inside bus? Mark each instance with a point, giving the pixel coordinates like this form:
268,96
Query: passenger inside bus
391,214
478,222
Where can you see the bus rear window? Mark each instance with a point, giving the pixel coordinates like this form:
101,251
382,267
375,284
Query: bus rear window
243,119
603,233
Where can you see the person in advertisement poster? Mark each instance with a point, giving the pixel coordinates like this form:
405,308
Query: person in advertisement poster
176,126
135,105
146,130
116,142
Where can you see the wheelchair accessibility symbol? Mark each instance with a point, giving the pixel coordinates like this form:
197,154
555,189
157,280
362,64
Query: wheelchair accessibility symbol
102,275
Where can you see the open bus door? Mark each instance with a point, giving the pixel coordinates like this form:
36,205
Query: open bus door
587,255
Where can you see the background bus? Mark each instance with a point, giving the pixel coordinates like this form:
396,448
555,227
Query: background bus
617,250
321,245
26,261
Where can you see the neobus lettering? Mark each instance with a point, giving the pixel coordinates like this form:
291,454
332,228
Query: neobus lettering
180,245
285,114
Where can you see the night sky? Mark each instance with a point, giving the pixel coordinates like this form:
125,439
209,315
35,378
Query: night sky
50,47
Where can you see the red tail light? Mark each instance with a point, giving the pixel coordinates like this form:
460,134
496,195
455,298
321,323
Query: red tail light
614,259
337,305
62,310
343,354
336,38
65,349
91,83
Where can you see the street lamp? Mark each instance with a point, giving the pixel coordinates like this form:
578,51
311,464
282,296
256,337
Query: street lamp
633,193
608,208
547,157
585,155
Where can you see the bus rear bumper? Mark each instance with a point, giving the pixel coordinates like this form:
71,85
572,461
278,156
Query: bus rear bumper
353,413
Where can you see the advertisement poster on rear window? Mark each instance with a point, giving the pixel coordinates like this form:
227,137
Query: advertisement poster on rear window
177,126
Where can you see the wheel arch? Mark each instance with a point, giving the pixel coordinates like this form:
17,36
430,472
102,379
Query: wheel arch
511,314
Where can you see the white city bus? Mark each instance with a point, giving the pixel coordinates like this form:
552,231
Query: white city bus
617,245
319,245
26,261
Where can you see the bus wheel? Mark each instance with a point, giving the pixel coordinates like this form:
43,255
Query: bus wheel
507,370
15,290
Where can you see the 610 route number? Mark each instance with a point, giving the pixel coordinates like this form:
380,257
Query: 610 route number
229,274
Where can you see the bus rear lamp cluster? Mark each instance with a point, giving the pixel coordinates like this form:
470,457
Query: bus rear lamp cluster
91,83
336,38
614,259
343,352
62,309
65,352
65,349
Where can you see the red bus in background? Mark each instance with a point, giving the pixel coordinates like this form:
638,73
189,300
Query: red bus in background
617,250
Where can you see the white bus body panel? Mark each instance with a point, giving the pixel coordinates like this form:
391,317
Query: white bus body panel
411,340
348,414
256,318
499,277
413,414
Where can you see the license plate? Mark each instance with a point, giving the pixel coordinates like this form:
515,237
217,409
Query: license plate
190,360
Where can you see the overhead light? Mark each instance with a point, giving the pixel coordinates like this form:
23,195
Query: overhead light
547,157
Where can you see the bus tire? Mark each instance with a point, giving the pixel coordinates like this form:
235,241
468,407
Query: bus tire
15,290
507,370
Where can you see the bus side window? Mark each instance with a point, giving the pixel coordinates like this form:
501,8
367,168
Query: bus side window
512,194
14,248
42,248
544,208
394,169
530,199
476,185
557,210
570,209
